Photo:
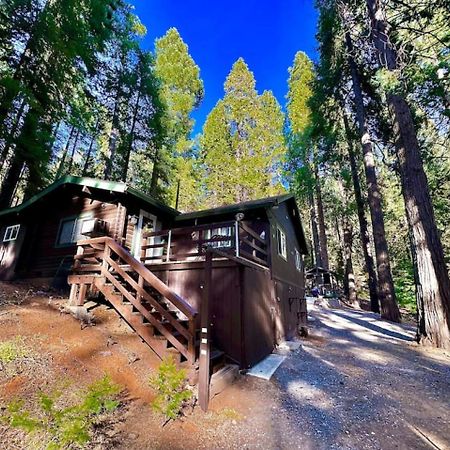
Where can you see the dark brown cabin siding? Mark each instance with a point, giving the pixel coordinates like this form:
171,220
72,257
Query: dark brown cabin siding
10,250
259,315
284,270
289,283
42,256
187,280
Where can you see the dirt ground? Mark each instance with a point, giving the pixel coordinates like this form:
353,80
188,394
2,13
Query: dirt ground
356,383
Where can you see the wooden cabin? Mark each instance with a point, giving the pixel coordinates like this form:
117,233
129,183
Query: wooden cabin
228,279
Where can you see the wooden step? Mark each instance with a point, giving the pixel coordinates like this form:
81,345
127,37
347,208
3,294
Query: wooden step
223,378
159,346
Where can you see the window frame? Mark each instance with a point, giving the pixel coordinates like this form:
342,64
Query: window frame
13,231
282,239
76,218
298,260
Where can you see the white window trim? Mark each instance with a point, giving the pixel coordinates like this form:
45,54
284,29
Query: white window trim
298,260
281,243
11,233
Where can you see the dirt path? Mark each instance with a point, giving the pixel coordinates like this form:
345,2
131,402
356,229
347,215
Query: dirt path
356,383
362,383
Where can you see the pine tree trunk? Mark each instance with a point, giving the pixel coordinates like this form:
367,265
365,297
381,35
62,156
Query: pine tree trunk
10,182
363,226
72,154
315,232
60,170
131,137
10,137
323,245
155,174
113,137
21,156
37,163
89,152
433,288
349,281
386,293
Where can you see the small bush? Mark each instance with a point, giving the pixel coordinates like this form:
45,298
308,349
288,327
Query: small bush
12,350
68,426
170,383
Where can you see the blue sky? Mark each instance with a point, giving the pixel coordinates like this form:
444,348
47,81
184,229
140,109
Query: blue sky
267,34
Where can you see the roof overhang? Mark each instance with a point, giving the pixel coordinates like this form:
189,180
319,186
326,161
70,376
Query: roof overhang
91,183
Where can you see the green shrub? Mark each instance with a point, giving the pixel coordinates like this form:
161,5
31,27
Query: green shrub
12,350
67,426
404,286
170,383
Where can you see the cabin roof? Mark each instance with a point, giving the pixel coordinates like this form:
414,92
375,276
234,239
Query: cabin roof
125,189
236,208
113,186
261,204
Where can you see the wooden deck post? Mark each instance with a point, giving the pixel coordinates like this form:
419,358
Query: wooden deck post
82,294
205,336
73,294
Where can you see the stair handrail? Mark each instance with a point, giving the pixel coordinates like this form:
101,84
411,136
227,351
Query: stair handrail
189,311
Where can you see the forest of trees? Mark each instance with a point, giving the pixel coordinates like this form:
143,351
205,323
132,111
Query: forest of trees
362,139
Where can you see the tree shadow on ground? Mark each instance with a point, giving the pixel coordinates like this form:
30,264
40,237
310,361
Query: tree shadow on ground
377,390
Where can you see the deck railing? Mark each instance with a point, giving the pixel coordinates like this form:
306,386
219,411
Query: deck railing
191,243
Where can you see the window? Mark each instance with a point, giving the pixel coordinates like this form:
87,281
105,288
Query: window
281,240
298,260
11,233
218,233
70,230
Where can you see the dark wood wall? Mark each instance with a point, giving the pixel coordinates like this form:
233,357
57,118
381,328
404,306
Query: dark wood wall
289,283
284,270
41,256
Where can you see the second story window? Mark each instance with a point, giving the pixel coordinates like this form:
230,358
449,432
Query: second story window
281,243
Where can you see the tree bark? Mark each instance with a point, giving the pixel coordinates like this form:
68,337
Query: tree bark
113,137
386,292
10,182
9,138
433,287
315,232
91,146
60,170
72,154
131,136
323,245
363,226
349,280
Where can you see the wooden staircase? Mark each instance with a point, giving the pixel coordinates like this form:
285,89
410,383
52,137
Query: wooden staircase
164,320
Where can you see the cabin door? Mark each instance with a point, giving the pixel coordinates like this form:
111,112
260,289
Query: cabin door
146,224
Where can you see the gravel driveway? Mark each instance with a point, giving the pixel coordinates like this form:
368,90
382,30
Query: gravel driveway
360,383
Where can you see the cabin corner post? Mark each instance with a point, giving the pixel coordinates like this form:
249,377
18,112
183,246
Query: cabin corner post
205,337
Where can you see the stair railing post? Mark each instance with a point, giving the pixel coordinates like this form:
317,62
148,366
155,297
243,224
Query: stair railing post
205,336
236,235
106,253
141,285
169,243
